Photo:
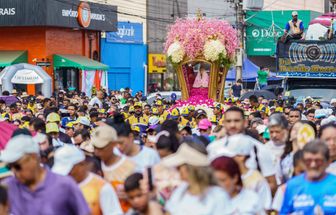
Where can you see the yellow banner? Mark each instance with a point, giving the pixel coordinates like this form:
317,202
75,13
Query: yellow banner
157,63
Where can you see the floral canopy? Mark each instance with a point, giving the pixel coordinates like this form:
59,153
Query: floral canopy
212,39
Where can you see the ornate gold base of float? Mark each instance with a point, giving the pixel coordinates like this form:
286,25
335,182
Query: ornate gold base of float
216,85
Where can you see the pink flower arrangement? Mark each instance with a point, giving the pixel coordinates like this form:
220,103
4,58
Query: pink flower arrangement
193,33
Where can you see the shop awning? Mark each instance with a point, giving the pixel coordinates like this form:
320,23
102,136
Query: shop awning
78,61
8,58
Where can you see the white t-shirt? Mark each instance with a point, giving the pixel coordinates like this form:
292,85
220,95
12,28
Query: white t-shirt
276,150
253,180
247,202
215,202
109,202
95,100
265,157
147,157
279,197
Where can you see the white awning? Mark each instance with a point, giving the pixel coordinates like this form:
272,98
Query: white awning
26,76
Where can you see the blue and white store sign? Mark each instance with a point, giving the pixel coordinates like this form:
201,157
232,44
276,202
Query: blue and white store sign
127,33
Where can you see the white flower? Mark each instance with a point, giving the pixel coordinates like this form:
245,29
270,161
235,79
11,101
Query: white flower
212,50
176,52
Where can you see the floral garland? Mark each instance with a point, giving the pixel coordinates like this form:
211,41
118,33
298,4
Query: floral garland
214,39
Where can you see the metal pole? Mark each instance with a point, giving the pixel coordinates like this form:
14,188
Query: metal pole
240,33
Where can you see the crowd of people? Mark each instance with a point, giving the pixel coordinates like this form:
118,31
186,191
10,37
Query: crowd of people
116,153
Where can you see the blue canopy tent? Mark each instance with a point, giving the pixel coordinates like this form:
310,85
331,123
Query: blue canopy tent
250,72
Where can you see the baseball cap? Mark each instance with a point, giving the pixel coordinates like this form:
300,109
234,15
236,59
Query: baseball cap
66,158
175,114
185,111
137,104
261,129
294,13
53,117
204,124
191,108
14,91
199,113
155,111
17,147
158,103
52,127
278,119
238,144
83,120
103,135
186,155
333,101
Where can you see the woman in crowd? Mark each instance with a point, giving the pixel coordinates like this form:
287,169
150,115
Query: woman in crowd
228,176
198,194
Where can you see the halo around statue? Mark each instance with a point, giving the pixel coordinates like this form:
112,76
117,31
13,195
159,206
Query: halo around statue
202,51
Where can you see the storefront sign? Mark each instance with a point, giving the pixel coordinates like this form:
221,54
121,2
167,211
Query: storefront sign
265,27
65,13
306,58
157,63
127,33
26,76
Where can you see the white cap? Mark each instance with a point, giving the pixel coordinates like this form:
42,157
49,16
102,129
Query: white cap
186,155
84,121
17,147
238,144
66,158
294,13
261,128
333,101
122,90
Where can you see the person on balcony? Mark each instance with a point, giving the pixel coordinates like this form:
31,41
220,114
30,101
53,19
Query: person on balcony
294,28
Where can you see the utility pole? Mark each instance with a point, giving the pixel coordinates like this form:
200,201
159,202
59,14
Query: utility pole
238,5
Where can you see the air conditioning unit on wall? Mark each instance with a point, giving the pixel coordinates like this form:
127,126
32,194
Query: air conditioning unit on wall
253,4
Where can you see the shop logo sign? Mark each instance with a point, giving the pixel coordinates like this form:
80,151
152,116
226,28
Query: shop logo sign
84,14
265,33
7,11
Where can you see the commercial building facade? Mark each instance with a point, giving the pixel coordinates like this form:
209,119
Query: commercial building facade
63,37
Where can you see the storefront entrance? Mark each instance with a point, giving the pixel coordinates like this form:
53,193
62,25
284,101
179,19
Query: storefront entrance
67,79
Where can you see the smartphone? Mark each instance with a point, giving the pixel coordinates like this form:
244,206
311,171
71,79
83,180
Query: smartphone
150,179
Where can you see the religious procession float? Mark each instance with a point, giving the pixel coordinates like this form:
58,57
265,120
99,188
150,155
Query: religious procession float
201,51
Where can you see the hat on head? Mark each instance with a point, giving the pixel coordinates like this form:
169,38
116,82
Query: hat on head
191,108
186,155
53,117
83,120
24,95
185,111
66,158
218,106
155,111
137,104
51,127
333,101
17,147
175,114
103,135
158,103
204,124
122,90
200,112
261,129
278,119
14,91
294,13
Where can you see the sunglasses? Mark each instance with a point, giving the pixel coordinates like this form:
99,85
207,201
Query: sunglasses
15,166
318,162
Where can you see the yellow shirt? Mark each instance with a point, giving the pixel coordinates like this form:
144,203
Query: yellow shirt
136,120
163,116
91,192
117,173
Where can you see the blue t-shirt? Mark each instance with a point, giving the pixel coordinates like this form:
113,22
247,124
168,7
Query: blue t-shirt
303,196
